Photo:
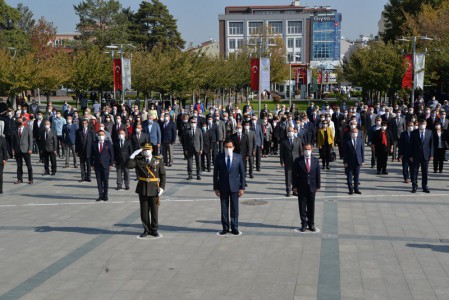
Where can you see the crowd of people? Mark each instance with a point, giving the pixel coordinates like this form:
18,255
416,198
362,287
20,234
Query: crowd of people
104,136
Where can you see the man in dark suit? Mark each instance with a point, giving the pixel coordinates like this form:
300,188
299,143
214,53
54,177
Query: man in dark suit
193,139
22,147
83,147
248,148
396,127
207,148
69,141
405,152
432,120
291,149
382,145
48,146
306,182
257,129
102,159
237,138
10,129
122,152
229,185
151,175
38,127
4,155
353,159
139,138
116,130
421,143
168,138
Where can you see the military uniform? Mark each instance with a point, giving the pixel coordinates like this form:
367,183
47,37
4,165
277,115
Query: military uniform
151,175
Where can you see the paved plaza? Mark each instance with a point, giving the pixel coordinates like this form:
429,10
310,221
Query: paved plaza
57,242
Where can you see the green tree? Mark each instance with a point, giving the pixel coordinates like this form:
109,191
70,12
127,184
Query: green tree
11,33
153,25
26,22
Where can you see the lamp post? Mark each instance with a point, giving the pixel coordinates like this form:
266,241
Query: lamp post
290,78
414,39
121,48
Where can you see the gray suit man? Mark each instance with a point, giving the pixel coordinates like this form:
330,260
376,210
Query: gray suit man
396,127
22,147
291,149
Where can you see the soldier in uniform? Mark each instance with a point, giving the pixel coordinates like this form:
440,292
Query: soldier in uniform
151,175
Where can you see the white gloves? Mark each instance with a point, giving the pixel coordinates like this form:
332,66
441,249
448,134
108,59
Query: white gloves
135,153
160,191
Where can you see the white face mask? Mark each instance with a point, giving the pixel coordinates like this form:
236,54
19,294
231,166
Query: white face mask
410,128
307,153
438,126
193,125
422,127
384,128
166,119
228,151
148,153
378,124
122,136
239,130
246,128
138,130
101,138
101,128
416,127
69,121
290,134
353,126
354,135
47,126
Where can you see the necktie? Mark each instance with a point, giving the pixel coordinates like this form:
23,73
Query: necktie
46,135
228,163
291,142
239,138
353,142
101,147
422,137
121,144
148,161
138,137
20,133
307,165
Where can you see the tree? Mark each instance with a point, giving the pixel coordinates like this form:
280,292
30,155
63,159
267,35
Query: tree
42,34
395,16
153,25
102,22
26,22
11,33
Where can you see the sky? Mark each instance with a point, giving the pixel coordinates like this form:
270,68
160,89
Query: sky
198,19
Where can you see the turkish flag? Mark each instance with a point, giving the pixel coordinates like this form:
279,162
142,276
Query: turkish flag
255,65
407,63
117,69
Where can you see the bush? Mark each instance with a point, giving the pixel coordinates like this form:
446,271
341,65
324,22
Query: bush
276,98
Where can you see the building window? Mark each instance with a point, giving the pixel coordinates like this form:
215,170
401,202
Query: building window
232,44
255,27
290,43
239,43
235,28
298,43
294,27
275,27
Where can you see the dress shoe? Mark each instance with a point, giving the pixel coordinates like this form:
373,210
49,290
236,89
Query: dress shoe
170,165
378,172
426,190
251,176
223,232
413,190
144,234
118,188
82,180
246,185
258,170
312,228
66,166
88,180
99,198
351,192
198,177
434,171
155,234
287,194
105,198
75,166
302,228
327,168
53,173
385,173
30,182
235,232
208,171
45,174
127,188
190,177
405,180
372,166
358,192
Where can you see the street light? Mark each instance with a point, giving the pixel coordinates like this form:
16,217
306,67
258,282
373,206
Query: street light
290,78
265,46
120,47
408,39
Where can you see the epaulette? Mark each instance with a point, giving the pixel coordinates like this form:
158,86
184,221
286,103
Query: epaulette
158,157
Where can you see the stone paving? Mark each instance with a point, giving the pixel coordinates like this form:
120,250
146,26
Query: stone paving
57,242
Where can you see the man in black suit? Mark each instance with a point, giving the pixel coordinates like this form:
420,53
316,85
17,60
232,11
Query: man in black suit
116,129
139,138
291,149
83,146
306,182
405,152
102,159
229,185
168,138
38,127
248,148
382,145
4,155
122,152
193,139
421,143
237,138
22,147
48,146
207,148
10,129
353,159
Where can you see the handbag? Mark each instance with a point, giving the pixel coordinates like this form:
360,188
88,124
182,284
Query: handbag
333,156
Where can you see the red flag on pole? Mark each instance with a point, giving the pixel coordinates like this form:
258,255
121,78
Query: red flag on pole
254,74
407,80
117,68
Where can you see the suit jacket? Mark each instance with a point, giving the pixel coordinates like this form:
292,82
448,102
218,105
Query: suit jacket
431,122
237,144
354,157
4,155
221,128
404,146
320,137
122,153
421,151
50,143
444,140
193,143
83,143
303,181
258,133
289,153
156,165
138,143
207,141
396,127
154,135
37,129
115,132
248,144
69,134
168,132
229,181
23,144
377,141
105,159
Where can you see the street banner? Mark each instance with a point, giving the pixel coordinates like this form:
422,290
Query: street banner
320,77
407,79
254,74
309,76
419,64
265,74
117,69
126,74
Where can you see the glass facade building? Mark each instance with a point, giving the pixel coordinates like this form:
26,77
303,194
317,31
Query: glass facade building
326,35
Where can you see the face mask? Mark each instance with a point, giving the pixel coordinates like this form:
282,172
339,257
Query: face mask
138,130
398,115
166,119
438,126
150,122
121,136
410,128
69,121
443,116
254,122
239,130
184,121
354,135
204,129
195,115
193,125
307,153
384,128
422,127
228,151
101,128
101,138
39,117
217,118
246,128
378,123
148,153
290,134
47,126
353,126
345,114
416,127
58,116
